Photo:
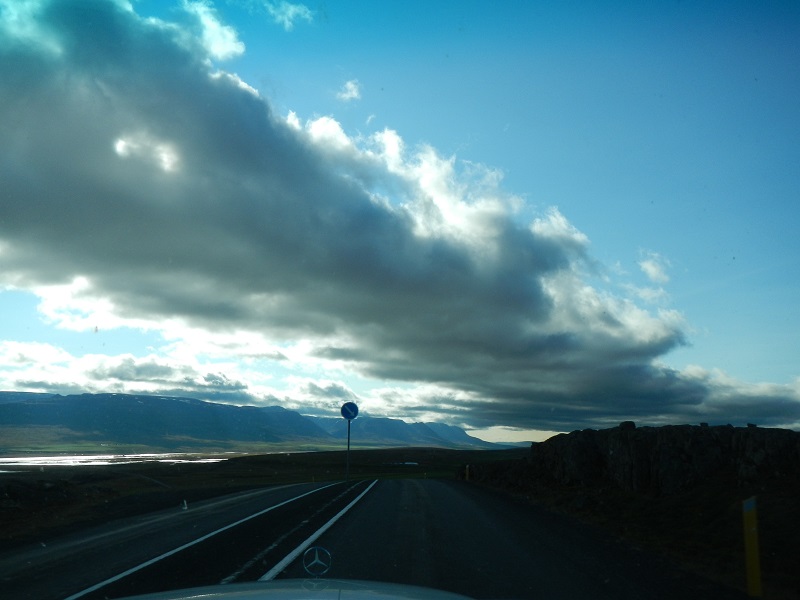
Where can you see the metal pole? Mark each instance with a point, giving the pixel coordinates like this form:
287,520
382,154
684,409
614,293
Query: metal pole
347,471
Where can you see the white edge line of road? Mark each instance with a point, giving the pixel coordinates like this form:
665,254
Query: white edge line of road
273,572
147,563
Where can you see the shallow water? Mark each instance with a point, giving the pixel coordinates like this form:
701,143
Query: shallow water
106,459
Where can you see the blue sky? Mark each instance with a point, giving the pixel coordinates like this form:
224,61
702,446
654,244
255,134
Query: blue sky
528,216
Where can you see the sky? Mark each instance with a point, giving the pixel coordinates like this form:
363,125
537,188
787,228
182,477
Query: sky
518,218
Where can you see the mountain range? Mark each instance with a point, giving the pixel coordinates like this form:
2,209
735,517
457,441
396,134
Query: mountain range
105,422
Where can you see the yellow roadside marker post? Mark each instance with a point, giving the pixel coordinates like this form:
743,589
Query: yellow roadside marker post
751,552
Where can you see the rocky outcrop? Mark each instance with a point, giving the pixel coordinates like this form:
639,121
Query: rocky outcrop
675,490
664,460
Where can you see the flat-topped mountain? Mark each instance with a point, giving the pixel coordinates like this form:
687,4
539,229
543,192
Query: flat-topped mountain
106,422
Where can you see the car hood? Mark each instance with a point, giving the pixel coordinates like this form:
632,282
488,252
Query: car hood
306,589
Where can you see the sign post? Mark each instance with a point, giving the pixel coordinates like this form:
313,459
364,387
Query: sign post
349,412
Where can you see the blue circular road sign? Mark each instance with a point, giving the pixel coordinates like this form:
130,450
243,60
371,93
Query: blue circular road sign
349,410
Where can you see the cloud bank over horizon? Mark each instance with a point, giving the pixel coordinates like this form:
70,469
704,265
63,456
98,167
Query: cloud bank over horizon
146,188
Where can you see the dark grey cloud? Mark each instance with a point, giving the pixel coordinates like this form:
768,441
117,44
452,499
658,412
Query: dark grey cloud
178,193
129,369
331,390
150,376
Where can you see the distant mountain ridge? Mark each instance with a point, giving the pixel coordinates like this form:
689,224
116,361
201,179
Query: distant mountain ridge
166,423
376,429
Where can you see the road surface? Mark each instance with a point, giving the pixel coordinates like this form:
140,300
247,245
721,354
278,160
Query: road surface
441,534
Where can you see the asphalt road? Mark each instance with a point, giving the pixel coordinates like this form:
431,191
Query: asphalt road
58,569
446,535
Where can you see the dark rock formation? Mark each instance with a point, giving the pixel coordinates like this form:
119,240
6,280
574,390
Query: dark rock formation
675,490
664,460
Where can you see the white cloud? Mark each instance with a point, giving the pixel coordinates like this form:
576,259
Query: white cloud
555,226
77,306
144,146
220,41
21,23
650,295
328,133
287,14
391,149
351,90
236,80
19,355
654,266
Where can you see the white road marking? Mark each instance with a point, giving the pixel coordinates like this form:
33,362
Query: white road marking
273,572
276,543
147,563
